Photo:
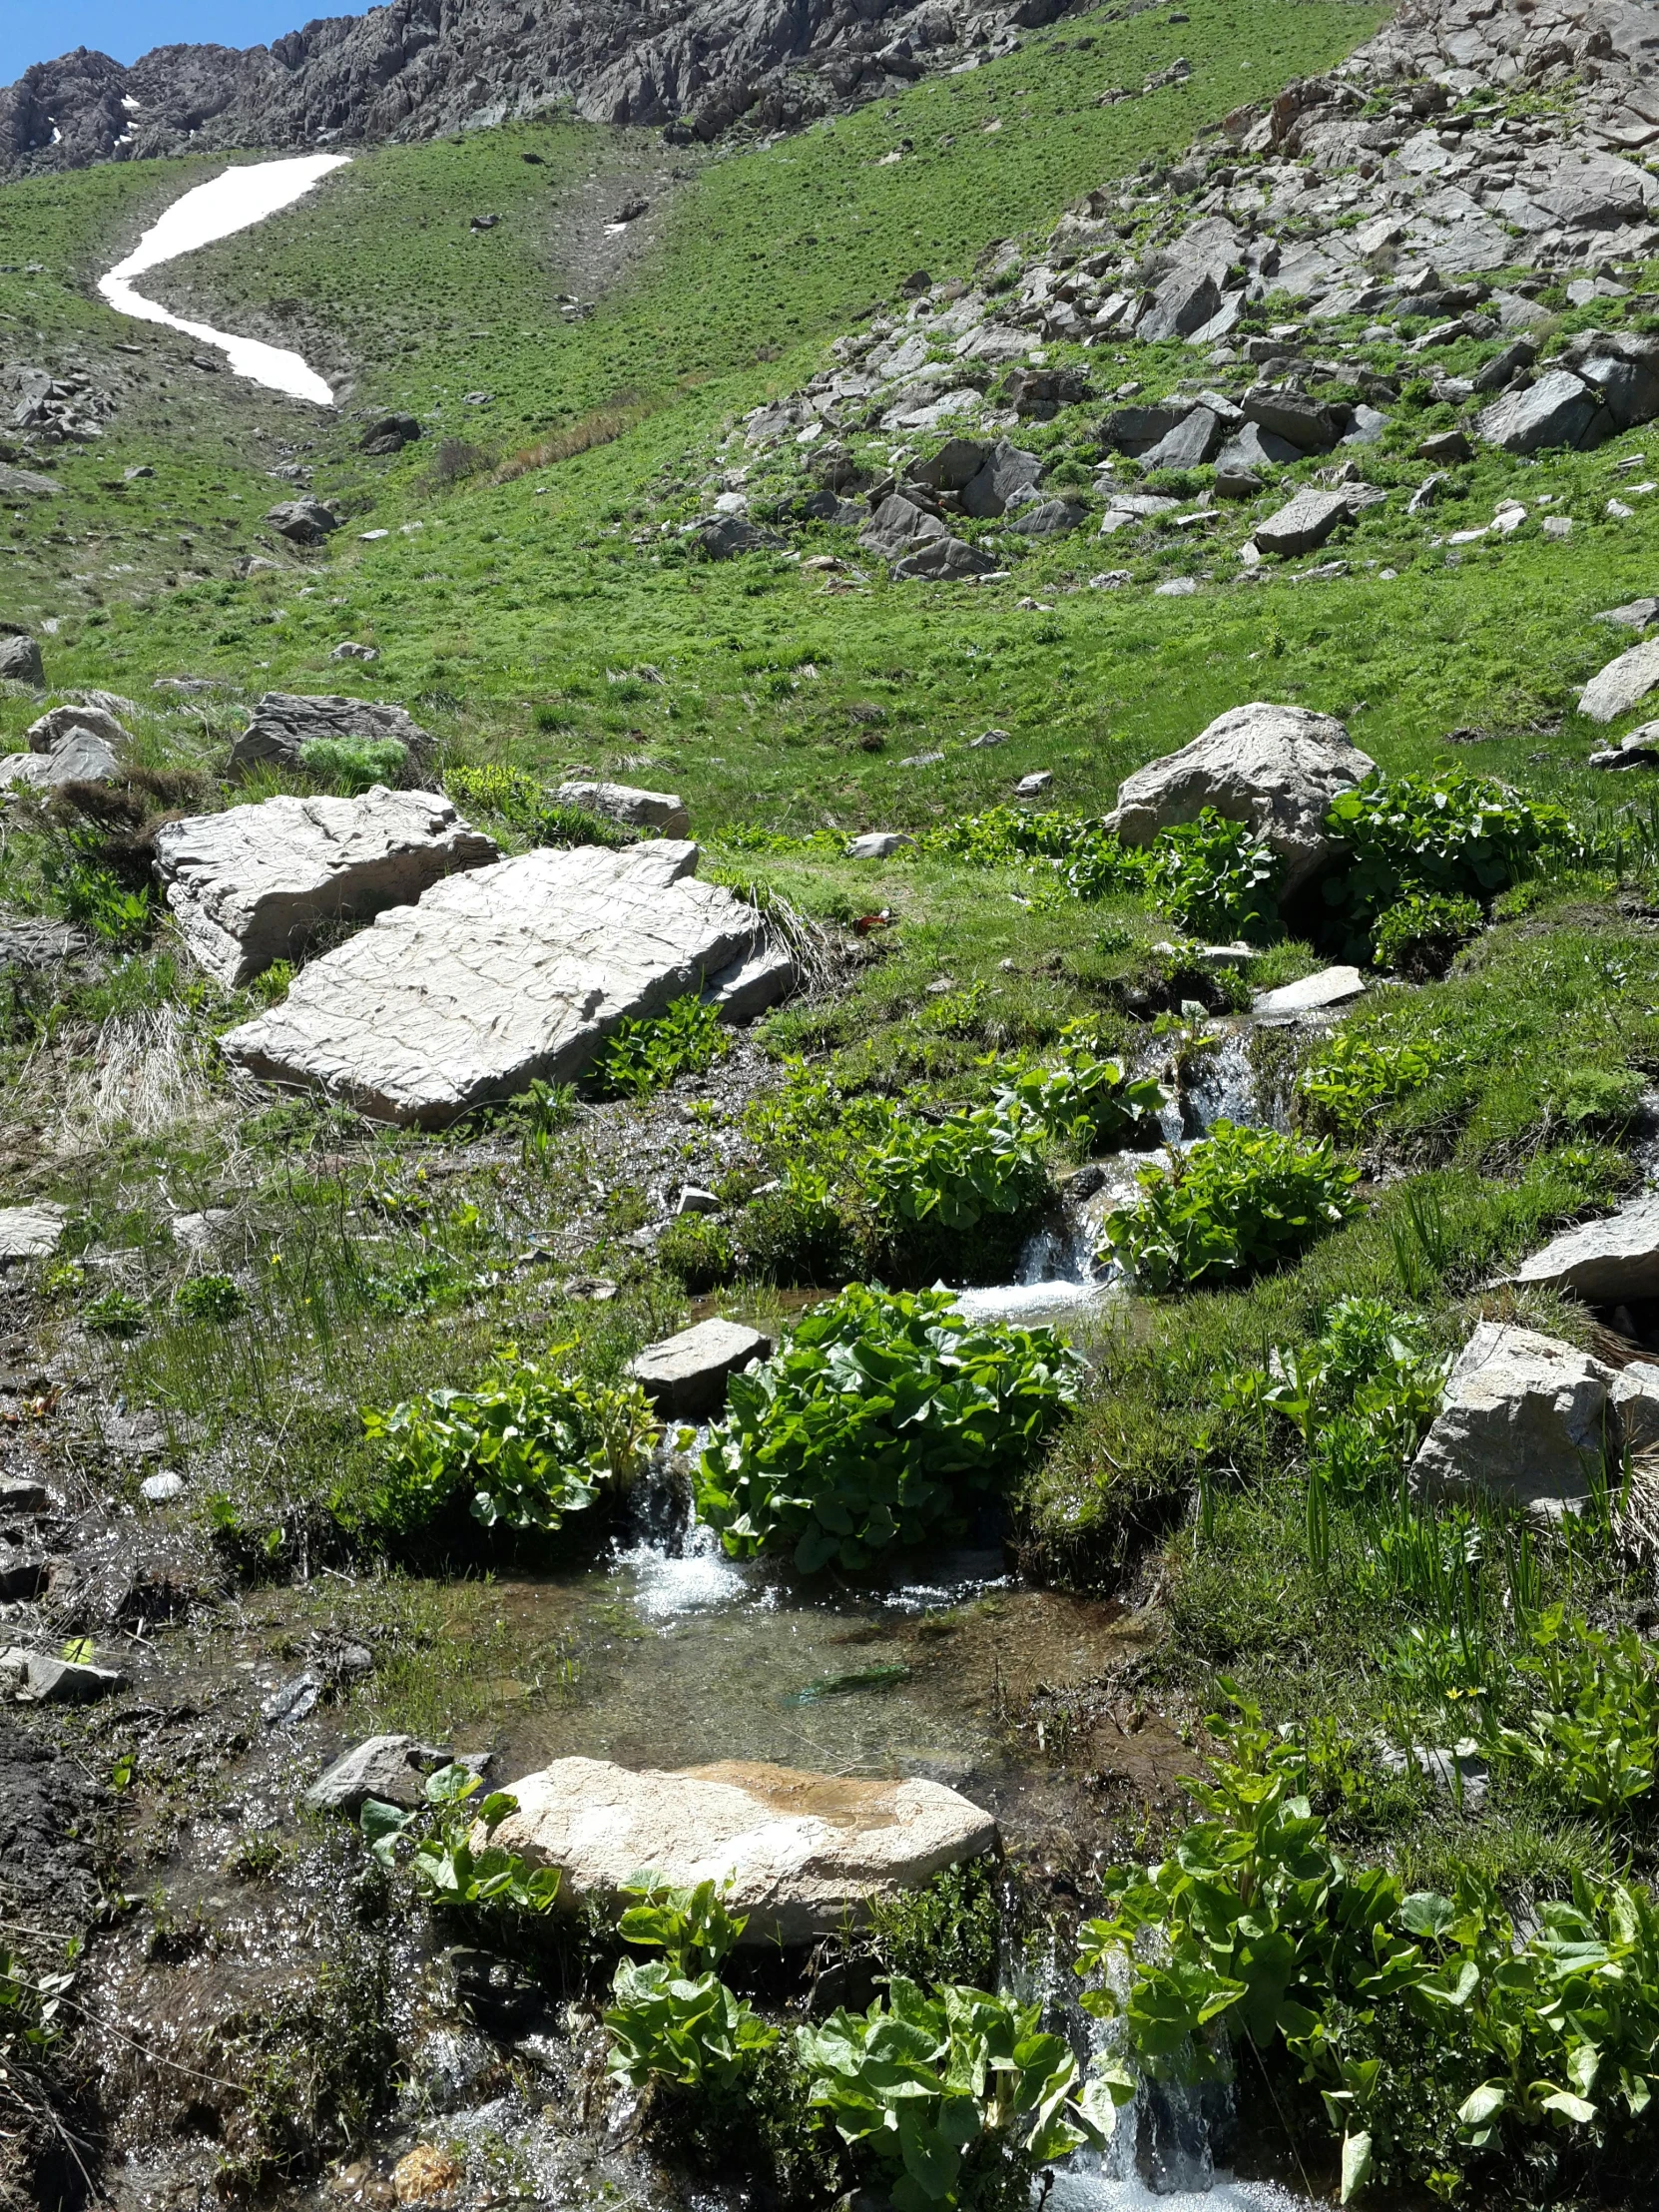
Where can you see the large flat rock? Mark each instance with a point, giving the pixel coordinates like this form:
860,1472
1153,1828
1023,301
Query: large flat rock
806,1853
248,884
510,973
1313,994
1524,1418
1603,1261
1276,768
686,1376
30,1232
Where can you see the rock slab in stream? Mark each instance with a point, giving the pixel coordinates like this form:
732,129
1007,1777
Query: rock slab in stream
1523,1418
248,884
1276,768
686,1376
390,1768
1603,1261
507,974
35,1678
805,1851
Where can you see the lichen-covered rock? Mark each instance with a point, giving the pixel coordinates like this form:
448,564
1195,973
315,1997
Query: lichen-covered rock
1276,768
248,884
806,1853
1523,1418
509,973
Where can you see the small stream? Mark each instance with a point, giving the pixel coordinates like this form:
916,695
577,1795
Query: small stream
234,202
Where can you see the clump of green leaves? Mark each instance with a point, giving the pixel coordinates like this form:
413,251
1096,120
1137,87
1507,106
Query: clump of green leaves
1218,878
880,1422
527,806
925,2089
698,1252
354,764
1237,1201
1356,1074
115,1313
452,1869
1086,1101
1591,1734
211,1297
1359,1395
639,1057
1420,935
672,2019
526,1448
971,1163
1450,835
948,1929
1438,2041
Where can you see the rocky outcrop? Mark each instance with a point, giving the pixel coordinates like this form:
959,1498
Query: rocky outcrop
285,723
249,885
686,1376
392,1769
1603,1262
1276,768
1525,1420
805,1852
509,973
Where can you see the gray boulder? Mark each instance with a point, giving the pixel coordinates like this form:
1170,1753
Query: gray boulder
1307,424
896,526
1314,994
1523,1418
1185,301
1636,749
956,463
1252,447
663,812
50,731
1008,470
1139,429
1276,768
1190,444
35,1678
724,537
1560,409
29,1231
1603,1262
389,434
247,886
78,757
685,1376
1502,370
877,844
284,722
509,973
303,521
1635,613
390,1768
1622,367
943,560
1050,518
1305,522
20,660
1622,684
1635,1391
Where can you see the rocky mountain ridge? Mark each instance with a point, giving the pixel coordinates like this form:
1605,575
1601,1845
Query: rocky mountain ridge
419,68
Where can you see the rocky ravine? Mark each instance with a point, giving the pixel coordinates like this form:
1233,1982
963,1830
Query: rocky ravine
419,67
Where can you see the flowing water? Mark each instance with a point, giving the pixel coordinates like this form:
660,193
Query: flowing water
234,202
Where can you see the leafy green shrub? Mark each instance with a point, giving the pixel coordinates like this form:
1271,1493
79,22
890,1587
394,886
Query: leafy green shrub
1604,1101
1420,935
1218,878
639,1057
880,1422
1082,854
1361,1395
672,2019
1237,1201
1357,1073
1592,1735
975,1162
1451,834
353,765
530,1444
115,1313
91,893
216,1298
698,1252
949,1929
1087,1101
272,984
919,2084
451,1872
1438,2041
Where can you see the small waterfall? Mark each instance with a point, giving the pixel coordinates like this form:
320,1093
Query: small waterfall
675,1562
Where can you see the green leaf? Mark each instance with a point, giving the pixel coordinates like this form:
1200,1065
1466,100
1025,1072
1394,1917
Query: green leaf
1357,2165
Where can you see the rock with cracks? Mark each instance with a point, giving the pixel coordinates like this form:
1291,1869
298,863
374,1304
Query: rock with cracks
249,885
1276,768
283,723
1306,523
508,974
1523,1418
1605,1262
806,1853
686,1376
663,812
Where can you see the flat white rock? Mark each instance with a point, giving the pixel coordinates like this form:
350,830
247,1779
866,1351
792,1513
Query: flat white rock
1332,986
30,1232
662,811
248,883
1603,1262
1623,683
510,973
805,1851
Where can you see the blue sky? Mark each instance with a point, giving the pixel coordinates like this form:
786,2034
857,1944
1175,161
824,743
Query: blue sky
39,30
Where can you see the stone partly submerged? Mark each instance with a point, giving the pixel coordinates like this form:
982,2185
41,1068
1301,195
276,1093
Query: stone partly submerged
250,885
508,974
1276,768
804,1853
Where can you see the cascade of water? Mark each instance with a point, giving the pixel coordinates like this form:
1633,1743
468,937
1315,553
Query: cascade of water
673,1561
